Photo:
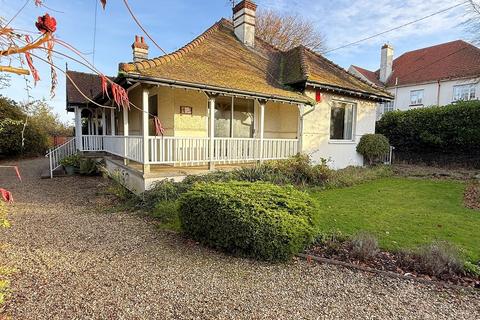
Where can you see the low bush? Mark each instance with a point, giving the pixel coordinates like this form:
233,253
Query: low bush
373,147
351,176
166,212
89,167
258,220
364,246
34,141
437,259
71,161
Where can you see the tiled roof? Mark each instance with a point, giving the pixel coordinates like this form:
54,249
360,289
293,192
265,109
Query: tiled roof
456,59
372,76
90,84
217,58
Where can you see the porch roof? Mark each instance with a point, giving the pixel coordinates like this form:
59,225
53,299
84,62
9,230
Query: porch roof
89,83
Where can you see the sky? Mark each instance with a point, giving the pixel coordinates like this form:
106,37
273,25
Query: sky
175,23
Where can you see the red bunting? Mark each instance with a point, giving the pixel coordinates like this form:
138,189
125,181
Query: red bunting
33,70
159,129
6,196
104,3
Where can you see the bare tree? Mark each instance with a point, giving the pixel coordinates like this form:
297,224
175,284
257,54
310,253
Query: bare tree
473,22
288,31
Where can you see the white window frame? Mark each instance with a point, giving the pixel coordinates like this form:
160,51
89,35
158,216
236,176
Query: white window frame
464,92
388,106
416,97
354,121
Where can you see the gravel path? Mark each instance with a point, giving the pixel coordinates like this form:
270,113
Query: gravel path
77,262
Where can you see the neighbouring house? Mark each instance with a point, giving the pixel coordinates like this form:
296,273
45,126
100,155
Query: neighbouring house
226,98
433,76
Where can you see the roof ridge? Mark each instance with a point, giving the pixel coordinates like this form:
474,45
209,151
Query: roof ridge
333,64
303,62
175,55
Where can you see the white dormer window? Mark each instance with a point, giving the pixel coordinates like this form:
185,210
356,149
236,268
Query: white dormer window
416,97
464,92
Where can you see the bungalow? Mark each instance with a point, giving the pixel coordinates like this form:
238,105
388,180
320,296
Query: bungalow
226,98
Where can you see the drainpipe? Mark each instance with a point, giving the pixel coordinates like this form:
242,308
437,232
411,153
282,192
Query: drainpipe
438,94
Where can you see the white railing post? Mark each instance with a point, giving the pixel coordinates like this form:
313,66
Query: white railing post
104,123
145,97
78,128
262,126
112,122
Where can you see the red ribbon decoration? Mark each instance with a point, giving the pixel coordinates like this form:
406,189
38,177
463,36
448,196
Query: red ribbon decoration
6,196
159,129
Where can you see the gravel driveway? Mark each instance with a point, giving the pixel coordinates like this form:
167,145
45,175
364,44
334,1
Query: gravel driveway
76,261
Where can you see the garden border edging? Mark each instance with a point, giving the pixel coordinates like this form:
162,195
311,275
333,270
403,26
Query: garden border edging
385,273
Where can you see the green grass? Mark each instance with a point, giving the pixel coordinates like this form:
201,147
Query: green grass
403,213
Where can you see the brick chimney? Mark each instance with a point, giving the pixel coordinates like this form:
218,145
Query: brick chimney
386,63
244,22
140,49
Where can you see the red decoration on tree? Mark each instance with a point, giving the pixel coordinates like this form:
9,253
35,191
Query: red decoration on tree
38,3
318,96
28,57
104,3
159,129
6,196
120,96
46,24
104,85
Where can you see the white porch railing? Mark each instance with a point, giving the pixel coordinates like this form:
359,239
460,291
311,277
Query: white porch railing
56,154
184,151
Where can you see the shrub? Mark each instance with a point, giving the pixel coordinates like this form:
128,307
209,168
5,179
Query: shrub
4,223
166,212
35,142
351,176
88,167
373,146
364,246
71,161
453,129
257,220
436,259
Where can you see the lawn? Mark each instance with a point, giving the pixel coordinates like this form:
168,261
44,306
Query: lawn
403,213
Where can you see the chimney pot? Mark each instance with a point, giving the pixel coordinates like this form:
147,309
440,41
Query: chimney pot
244,22
140,49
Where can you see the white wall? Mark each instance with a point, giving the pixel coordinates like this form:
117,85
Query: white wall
316,132
430,95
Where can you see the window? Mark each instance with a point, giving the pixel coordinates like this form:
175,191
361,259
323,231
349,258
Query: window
464,92
387,106
416,97
238,124
342,119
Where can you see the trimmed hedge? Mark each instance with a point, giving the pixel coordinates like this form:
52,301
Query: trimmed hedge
257,220
452,129
373,146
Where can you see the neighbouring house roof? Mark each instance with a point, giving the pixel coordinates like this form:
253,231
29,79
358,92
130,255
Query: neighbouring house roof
372,76
451,60
217,58
89,84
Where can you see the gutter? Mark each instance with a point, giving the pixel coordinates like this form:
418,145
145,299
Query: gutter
213,89
350,92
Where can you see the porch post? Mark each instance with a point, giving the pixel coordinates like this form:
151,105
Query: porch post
104,123
96,122
211,129
78,128
112,122
262,126
301,110
146,156
125,134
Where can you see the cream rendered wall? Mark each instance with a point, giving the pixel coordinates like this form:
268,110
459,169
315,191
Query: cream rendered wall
281,120
316,131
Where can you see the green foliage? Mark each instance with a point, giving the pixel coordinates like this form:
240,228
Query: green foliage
352,176
11,139
4,223
166,212
258,220
451,129
373,146
71,161
117,187
88,167
472,269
